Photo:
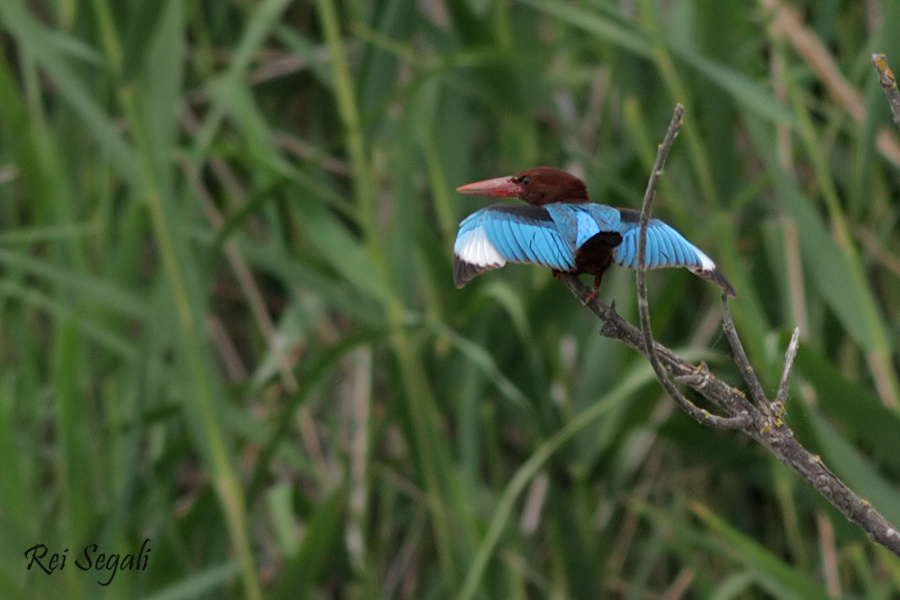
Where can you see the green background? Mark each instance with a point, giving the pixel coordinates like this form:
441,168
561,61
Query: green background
228,323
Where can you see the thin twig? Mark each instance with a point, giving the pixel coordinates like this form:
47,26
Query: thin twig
789,356
888,84
698,414
741,360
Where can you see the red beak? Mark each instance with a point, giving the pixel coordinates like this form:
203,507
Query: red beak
499,187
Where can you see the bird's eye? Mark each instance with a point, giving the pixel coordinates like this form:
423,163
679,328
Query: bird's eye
525,180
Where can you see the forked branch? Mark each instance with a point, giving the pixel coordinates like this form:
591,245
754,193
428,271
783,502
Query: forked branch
761,419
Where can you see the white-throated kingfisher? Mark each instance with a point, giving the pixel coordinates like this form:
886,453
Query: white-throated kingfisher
561,228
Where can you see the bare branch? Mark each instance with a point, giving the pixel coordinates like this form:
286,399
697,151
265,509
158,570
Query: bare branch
774,434
789,356
699,378
888,84
764,421
698,414
740,359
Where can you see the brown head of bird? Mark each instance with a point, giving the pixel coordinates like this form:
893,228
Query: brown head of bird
537,186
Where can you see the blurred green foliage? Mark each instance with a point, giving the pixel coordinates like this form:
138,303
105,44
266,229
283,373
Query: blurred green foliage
228,322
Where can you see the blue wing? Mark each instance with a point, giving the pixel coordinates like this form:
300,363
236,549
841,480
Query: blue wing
491,237
549,235
665,248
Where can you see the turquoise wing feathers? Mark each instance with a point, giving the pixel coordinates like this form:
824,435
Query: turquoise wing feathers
493,236
665,248
573,237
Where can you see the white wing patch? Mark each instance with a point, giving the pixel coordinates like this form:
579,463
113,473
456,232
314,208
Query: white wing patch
706,263
475,248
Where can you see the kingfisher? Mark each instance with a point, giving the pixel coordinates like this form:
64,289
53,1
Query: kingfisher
561,228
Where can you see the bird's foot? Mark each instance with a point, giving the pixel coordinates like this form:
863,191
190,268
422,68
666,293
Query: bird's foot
593,295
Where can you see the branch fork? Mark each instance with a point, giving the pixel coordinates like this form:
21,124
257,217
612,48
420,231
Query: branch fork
757,416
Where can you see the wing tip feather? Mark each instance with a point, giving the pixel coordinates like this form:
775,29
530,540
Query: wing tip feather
715,276
464,272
